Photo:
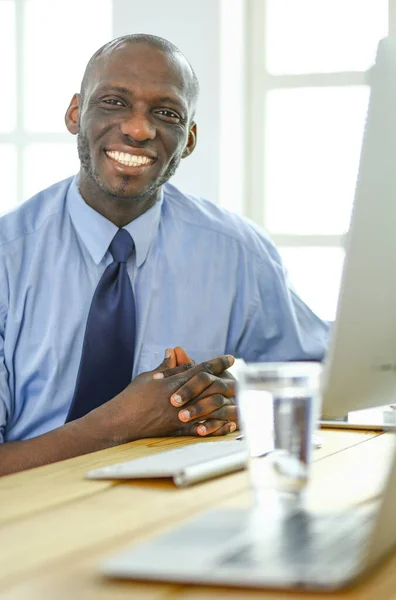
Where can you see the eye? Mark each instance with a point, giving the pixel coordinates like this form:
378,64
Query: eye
169,115
112,102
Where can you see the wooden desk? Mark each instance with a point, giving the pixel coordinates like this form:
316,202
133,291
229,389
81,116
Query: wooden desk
55,526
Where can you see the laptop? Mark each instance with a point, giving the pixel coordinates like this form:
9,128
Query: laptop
305,550
240,548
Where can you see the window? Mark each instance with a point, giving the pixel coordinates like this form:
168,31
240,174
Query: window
308,98
47,45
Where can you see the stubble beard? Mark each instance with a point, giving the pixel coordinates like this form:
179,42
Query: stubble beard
84,154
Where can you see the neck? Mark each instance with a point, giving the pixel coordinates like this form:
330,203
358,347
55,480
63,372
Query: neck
118,210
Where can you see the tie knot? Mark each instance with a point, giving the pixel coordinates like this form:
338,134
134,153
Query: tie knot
122,245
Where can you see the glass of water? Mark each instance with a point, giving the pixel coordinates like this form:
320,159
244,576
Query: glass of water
278,408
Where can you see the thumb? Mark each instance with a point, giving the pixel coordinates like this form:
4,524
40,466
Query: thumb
182,357
169,361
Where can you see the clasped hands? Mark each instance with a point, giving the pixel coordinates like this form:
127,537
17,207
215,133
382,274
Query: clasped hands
176,398
207,399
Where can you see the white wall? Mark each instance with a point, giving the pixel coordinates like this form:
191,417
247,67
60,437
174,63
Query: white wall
195,29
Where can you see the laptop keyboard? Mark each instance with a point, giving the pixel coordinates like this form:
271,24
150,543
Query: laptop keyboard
300,539
255,549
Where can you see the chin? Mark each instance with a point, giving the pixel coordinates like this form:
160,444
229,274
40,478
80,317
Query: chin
125,186
126,192
118,188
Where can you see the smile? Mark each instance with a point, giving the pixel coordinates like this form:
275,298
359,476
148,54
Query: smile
130,160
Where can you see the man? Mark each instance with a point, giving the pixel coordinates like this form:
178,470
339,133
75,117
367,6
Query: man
102,272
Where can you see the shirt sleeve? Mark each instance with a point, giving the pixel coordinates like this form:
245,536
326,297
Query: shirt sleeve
4,388
280,326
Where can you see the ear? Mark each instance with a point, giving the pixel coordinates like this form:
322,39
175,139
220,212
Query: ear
191,141
72,114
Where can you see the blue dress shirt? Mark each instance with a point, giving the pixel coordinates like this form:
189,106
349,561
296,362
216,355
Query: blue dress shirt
203,278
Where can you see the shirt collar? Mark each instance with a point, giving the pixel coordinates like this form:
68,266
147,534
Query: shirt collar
97,232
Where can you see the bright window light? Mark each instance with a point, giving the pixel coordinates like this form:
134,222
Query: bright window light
8,182
8,67
321,36
315,274
46,164
59,39
313,138
308,66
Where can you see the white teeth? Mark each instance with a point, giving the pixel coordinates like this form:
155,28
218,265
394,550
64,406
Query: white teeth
131,160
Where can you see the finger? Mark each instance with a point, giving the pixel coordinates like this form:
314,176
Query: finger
192,389
225,413
201,386
217,365
225,387
204,375
173,371
208,406
182,356
213,427
168,362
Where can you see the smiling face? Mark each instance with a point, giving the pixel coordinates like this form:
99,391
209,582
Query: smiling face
133,124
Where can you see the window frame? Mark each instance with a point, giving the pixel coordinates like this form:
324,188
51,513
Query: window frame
21,137
259,84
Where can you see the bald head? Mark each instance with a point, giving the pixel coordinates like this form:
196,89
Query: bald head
153,41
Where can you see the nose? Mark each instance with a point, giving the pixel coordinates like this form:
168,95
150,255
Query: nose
139,127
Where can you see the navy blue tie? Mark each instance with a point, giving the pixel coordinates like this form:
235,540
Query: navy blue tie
109,341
